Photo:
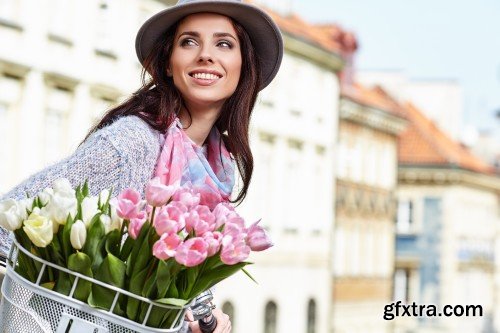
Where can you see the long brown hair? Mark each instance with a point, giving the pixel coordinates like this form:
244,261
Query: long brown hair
158,101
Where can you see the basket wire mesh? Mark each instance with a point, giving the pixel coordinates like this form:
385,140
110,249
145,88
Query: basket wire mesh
31,308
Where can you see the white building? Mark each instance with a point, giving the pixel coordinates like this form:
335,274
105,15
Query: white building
63,62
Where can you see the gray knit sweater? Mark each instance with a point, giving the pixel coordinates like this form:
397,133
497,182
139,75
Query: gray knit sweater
118,156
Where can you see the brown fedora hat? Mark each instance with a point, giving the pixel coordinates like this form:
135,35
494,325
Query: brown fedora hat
264,33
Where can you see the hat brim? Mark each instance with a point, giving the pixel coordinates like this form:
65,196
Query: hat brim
264,33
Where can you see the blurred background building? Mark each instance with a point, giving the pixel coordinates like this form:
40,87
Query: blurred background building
368,198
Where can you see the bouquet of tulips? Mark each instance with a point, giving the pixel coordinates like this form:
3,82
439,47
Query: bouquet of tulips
169,248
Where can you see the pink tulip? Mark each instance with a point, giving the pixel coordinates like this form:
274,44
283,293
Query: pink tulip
135,225
169,219
192,252
200,220
208,196
257,238
223,212
234,249
214,240
179,205
187,196
128,203
158,194
166,246
234,226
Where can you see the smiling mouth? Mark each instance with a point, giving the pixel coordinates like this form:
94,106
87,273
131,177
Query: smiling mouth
205,76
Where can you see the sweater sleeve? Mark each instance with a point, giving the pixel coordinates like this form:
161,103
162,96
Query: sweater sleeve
118,156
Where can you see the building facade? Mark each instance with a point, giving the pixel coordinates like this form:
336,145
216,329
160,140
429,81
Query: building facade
363,256
447,231
293,134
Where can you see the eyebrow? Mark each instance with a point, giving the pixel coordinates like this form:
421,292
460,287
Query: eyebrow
216,34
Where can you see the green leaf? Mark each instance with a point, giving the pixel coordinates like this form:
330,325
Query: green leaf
135,286
80,262
131,260
164,275
63,284
172,301
127,247
248,274
85,190
111,271
95,241
113,240
67,248
214,276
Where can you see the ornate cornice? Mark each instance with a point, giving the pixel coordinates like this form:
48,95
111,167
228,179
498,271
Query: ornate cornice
371,117
446,175
354,199
298,46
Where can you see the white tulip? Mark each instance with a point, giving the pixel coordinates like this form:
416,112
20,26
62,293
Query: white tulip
27,204
39,229
110,224
63,186
78,235
89,209
116,221
46,195
62,202
12,214
104,196
44,212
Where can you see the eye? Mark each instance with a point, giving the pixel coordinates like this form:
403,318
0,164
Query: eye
225,44
188,42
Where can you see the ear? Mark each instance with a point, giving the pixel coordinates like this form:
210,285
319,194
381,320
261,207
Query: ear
169,72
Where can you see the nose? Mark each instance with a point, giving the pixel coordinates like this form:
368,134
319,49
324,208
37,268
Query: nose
205,54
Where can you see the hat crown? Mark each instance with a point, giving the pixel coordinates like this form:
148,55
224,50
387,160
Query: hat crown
182,2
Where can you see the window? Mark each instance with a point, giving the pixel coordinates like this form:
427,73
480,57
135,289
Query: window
61,21
228,309
105,43
404,223
311,316
402,284
294,186
58,107
11,91
10,12
270,317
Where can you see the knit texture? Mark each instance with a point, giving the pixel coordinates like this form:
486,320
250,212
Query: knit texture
118,156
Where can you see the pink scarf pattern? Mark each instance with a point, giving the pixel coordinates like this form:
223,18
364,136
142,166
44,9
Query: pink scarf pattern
183,163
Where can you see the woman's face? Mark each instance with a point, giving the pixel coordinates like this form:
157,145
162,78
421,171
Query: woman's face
206,59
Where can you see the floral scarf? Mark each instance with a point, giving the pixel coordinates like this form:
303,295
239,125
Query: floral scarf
183,162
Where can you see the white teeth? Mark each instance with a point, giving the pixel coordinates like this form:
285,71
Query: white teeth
205,76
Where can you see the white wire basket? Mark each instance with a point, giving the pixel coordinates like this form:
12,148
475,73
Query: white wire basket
31,308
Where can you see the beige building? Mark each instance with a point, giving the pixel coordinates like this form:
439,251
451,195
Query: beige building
447,230
363,255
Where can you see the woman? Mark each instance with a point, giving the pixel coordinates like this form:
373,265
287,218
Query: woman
207,61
